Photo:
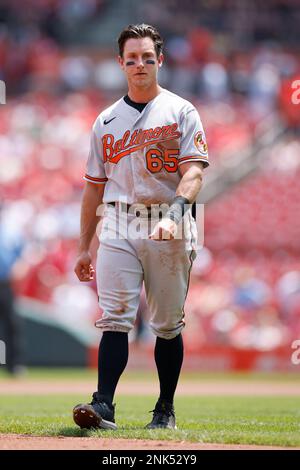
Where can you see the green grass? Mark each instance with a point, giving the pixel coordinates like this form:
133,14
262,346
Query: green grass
235,420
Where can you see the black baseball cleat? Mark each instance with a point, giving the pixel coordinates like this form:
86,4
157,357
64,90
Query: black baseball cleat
97,414
163,416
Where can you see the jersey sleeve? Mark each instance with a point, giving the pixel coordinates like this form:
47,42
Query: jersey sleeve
95,172
193,146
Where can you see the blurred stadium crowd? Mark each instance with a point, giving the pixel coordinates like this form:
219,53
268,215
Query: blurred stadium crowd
236,62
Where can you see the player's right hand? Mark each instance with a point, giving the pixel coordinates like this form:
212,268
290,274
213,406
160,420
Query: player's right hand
83,267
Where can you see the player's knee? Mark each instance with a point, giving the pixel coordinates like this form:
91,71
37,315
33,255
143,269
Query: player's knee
113,324
167,331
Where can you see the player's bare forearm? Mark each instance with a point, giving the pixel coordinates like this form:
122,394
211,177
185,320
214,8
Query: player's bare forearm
92,198
191,181
188,188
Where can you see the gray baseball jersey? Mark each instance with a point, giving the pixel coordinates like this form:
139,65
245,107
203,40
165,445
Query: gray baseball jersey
137,156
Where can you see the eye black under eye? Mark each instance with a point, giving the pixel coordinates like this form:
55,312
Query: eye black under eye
130,62
150,61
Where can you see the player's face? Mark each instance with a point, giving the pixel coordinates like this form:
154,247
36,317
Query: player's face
140,62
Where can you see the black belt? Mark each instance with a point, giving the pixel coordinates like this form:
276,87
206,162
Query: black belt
127,207
133,208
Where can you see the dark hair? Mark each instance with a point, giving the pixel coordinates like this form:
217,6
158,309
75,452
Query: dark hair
138,31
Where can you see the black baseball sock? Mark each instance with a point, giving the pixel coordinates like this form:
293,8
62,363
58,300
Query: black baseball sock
168,355
112,360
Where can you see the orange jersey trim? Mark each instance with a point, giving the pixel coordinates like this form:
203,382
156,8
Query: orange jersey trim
97,180
194,157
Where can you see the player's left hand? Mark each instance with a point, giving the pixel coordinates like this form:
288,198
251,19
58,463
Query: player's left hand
165,229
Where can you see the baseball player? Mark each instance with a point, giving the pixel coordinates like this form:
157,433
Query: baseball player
145,165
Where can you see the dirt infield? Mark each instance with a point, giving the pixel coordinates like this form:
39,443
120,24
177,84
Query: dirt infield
217,388
21,442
